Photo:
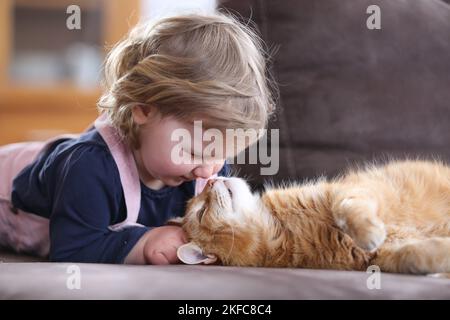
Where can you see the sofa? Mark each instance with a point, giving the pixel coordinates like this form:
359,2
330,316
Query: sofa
28,278
348,95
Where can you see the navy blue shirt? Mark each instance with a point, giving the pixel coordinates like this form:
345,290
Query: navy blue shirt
76,184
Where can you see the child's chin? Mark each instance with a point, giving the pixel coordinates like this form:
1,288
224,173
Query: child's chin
175,182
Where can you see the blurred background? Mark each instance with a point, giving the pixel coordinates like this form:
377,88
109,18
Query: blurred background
50,75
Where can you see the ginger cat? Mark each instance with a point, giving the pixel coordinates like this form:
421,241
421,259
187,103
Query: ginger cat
395,216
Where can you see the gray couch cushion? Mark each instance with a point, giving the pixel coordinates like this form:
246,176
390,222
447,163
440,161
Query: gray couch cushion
49,281
26,277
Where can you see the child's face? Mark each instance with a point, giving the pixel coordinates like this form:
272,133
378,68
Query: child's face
154,157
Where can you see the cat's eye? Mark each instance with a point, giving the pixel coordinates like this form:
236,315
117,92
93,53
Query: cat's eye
230,192
200,213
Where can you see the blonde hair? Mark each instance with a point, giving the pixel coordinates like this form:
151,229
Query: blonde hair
192,67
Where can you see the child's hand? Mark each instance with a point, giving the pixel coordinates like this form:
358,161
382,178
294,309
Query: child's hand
162,243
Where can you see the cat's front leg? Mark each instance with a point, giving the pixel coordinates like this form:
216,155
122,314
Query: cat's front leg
355,211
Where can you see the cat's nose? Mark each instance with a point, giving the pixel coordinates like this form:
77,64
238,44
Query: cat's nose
211,182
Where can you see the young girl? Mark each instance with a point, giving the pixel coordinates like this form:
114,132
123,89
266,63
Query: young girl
105,195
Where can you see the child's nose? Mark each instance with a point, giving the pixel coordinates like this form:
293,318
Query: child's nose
204,172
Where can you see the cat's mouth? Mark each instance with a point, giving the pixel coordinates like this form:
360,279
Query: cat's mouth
225,182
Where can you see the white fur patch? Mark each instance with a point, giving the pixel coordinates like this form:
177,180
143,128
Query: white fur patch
244,203
313,192
346,203
341,223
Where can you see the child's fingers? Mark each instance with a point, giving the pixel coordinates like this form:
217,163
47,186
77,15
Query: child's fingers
159,258
171,255
183,237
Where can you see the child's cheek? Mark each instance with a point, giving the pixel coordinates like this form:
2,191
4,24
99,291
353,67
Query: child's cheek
175,170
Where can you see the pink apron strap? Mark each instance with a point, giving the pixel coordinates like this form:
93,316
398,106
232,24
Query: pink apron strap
129,176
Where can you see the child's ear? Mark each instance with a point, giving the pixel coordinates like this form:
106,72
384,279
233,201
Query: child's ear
142,114
190,253
178,221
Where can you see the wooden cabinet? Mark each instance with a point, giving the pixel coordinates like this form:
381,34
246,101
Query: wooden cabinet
48,73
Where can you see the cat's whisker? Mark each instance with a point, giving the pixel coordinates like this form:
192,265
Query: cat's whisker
232,242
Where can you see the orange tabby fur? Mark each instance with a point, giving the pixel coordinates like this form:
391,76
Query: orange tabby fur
396,216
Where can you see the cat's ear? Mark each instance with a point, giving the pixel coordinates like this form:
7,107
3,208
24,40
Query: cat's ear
178,221
190,253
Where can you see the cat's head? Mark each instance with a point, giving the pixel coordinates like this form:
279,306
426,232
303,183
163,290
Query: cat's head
225,222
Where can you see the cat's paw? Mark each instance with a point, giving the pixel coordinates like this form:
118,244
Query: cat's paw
369,238
358,218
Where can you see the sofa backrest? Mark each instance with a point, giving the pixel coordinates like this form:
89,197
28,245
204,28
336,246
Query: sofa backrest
350,94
